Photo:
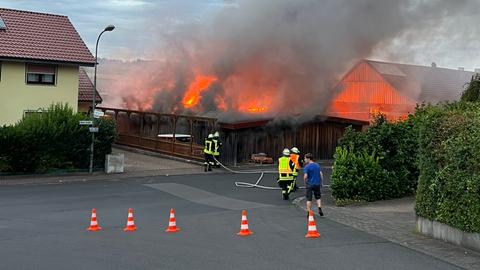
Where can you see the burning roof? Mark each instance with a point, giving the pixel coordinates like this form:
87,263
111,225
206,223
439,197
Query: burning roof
266,59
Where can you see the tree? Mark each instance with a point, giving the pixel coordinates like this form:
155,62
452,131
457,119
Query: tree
472,91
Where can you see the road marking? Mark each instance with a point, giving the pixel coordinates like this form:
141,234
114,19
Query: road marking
197,195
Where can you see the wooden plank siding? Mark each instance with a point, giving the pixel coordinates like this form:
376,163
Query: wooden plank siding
364,92
318,138
240,140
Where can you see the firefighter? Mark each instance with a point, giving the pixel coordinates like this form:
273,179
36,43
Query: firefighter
208,152
295,158
217,146
285,173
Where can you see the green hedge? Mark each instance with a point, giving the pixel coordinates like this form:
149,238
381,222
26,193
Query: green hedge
358,176
448,159
394,172
53,140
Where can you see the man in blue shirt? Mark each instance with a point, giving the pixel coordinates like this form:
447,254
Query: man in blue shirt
313,176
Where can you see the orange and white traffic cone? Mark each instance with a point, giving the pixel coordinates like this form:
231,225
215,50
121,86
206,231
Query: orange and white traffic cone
312,227
130,222
93,222
244,231
172,224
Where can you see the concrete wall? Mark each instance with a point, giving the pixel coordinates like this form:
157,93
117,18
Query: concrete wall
448,234
16,96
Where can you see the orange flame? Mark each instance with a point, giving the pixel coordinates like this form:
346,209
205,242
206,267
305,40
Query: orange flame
192,96
256,109
253,107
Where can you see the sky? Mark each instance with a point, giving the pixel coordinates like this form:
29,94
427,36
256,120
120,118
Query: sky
135,20
140,23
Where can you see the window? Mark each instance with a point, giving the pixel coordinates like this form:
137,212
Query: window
41,74
2,24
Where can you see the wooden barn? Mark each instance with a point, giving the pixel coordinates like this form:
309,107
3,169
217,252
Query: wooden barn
393,89
369,87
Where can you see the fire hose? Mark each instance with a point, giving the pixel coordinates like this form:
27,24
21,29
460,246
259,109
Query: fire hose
251,185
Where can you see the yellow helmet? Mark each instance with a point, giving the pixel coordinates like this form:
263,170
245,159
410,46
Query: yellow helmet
295,150
286,152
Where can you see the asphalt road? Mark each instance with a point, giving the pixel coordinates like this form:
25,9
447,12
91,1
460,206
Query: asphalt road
44,227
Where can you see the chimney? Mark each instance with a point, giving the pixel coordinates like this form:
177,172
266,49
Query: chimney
461,68
434,65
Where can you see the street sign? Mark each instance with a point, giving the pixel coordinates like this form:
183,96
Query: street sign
93,129
85,123
98,114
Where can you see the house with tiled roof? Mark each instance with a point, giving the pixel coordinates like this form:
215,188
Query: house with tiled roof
372,87
41,60
85,92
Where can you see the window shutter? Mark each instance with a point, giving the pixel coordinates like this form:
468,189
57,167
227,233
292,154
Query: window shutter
41,69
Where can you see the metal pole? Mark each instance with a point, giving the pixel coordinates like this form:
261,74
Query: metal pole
94,95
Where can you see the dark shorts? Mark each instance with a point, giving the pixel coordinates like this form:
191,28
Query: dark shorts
315,190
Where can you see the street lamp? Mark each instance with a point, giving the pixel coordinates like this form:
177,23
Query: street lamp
107,29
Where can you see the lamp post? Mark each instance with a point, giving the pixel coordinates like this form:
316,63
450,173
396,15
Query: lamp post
94,94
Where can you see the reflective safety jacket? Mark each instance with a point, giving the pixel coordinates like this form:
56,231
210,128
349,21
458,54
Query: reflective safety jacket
285,169
208,149
216,147
295,158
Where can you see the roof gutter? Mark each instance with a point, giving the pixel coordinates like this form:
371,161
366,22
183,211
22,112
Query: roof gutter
43,61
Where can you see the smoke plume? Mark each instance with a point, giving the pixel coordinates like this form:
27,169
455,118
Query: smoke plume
273,58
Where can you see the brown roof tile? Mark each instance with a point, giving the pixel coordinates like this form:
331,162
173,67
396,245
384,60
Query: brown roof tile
39,36
85,88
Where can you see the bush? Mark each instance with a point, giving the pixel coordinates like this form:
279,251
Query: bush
359,176
52,140
449,147
472,90
394,144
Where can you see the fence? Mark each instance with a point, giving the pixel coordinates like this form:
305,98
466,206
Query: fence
171,134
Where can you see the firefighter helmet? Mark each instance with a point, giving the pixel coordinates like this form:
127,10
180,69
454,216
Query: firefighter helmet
286,152
210,136
295,150
216,134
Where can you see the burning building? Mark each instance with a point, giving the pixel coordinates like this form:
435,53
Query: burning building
269,74
372,87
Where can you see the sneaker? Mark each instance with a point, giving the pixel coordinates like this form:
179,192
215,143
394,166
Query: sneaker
320,211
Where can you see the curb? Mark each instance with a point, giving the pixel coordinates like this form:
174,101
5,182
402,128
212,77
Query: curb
417,242
61,179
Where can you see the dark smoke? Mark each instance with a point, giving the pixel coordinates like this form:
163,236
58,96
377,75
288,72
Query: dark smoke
288,52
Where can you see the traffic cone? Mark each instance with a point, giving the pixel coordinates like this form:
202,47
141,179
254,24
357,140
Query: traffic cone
130,223
244,231
312,227
93,222
172,224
